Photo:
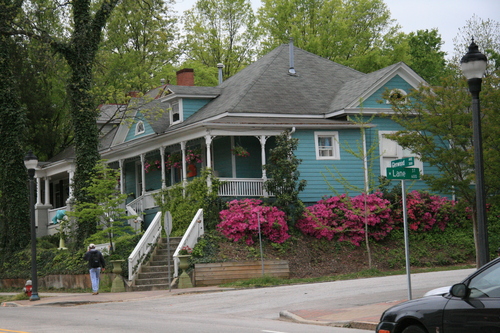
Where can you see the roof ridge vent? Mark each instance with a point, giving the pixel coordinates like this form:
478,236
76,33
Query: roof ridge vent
291,71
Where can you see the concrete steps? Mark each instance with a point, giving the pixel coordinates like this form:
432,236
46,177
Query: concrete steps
154,274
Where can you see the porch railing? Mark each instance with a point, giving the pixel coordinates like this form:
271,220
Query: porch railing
190,238
144,247
242,187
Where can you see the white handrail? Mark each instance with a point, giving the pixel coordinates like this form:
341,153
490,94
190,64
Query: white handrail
190,238
144,246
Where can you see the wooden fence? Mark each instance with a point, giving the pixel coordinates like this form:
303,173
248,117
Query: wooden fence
223,272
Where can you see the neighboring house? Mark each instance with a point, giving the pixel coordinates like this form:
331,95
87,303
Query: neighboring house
287,89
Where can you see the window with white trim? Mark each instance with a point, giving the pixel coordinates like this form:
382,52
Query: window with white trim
175,115
327,145
139,127
390,150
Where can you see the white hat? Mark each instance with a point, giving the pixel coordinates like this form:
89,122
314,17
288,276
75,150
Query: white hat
92,246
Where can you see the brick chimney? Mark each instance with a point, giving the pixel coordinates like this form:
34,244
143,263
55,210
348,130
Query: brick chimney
185,77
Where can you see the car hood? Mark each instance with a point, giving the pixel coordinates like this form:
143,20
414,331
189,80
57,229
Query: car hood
433,306
438,291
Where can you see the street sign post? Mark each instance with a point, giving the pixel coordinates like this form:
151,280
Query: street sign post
403,173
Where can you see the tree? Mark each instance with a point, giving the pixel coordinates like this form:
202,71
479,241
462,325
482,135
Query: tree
221,32
352,33
105,209
437,127
14,208
427,59
284,183
79,46
138,48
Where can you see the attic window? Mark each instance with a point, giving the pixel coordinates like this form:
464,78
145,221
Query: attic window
397,96
175,114
139,127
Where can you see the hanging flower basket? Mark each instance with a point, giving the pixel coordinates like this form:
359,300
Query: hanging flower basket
174,161
193,156
240,151
152,165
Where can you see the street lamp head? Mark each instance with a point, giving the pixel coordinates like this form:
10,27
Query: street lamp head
30,161
473,63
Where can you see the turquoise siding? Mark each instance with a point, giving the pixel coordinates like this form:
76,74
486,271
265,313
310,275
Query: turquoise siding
251,166
153,176
222,156
131,131
374,101
318,173
190,106
130,180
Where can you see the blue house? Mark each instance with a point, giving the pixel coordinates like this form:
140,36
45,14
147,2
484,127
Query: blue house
319,101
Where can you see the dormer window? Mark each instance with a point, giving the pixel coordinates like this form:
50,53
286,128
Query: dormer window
175,115
139,127
397,96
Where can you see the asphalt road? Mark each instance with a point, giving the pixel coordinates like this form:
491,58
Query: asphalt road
249,310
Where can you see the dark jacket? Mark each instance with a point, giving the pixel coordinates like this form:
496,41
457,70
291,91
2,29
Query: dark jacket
101,258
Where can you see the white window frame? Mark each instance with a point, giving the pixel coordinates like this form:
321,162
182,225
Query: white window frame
335,148
175,106
139,127
390,150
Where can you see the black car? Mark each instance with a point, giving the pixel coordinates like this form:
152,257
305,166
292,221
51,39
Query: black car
470,306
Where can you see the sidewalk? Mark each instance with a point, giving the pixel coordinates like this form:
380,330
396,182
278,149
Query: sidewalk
361,317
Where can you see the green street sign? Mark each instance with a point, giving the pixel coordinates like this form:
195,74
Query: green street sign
399,173
403,163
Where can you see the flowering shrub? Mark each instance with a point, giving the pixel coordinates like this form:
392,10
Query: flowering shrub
344,218
174,161
240,221
424,211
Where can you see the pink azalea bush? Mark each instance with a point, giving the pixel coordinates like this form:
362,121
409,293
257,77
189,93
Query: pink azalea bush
240,222
344,218
425,211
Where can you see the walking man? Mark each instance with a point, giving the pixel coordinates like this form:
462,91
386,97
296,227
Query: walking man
96,265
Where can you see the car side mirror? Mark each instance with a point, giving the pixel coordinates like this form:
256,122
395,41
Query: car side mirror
459,290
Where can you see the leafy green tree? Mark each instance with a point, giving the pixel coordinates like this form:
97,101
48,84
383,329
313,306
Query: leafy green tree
427,59
221,32
352,33
106,208
14,208
437,127
138,48
283,170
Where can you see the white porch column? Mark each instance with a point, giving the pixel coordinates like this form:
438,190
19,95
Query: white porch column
143,174
183,152
70,196
122,176
208,143
162,155
38,192
263,139
47,191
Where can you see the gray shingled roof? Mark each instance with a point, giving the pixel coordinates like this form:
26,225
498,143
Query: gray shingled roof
266,86
354,89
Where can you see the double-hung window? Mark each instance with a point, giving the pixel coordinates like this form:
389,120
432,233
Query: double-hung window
327,145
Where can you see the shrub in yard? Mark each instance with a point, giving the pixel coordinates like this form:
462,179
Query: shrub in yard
241,222
347,219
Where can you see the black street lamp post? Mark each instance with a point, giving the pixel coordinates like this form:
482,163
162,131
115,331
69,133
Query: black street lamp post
31,161
473,65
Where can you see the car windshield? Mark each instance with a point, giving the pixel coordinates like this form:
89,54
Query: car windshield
487,283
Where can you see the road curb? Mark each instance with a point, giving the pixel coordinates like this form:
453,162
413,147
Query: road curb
293,317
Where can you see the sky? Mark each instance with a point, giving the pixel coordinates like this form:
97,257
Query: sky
412,15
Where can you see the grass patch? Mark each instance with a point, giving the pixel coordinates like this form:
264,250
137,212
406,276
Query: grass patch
269,281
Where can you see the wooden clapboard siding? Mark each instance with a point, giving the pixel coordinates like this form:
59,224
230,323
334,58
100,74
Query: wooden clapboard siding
190,106
397,82
223,272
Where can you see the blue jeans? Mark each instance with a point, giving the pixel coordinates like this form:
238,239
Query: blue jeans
94,278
